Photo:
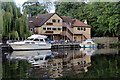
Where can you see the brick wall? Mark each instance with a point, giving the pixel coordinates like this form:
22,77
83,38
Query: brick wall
105,39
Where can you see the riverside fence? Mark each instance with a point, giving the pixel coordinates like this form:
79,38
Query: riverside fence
105,40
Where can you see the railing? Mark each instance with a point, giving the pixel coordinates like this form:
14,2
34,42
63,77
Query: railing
72,31
85,35
68,27
66,33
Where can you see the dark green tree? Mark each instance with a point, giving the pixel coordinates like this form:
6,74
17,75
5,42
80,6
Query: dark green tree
34,8
14,24
102,16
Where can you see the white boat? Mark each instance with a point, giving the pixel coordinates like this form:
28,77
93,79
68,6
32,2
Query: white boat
88,44
34,42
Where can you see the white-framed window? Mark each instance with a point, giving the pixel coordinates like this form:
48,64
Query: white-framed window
58,21
84,29
48,28
53,20
81,28
53,28
59,29
31,29
78,28
44,28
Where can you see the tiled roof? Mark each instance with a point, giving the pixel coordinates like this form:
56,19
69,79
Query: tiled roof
39,20
44,17
32,22
66,19
78,23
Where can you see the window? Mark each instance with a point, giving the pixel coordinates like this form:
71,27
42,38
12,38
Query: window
31,29
48,28
53,20
78,28
44,28
59,29
53,28
58,21
27,42
78,63
81,28
84,29
32,42
41,39
49,23
36,39
75,38
41,58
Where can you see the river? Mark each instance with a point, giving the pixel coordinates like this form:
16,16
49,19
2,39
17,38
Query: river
61,63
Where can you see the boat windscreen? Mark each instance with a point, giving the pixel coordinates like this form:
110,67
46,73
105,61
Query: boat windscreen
30,39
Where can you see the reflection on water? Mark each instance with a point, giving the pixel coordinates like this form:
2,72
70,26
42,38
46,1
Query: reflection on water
54,63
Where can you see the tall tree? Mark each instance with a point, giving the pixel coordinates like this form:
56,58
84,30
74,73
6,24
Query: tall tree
14,24
102,16
34,8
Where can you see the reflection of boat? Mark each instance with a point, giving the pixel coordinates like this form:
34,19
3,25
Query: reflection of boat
34,57
33,42
88,44
88,51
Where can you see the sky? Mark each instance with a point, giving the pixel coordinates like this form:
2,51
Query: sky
20,2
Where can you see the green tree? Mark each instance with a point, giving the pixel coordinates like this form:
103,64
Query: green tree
34,8
102,16
14,24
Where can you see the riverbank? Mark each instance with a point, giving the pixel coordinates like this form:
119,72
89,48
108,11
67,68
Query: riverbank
108,45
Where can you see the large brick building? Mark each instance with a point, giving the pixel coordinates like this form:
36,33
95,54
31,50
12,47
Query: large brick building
57,27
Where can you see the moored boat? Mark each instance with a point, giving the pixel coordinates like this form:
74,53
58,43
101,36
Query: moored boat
34,42
88,44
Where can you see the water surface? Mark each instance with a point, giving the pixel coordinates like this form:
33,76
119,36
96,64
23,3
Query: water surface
61,63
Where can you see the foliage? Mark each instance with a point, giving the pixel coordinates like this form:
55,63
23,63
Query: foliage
102,16
16,69
34,8
14,24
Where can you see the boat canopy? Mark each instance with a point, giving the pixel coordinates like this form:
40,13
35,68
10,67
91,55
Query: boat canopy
37,36
88,42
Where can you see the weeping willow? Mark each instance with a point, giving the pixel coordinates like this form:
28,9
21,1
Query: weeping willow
15,24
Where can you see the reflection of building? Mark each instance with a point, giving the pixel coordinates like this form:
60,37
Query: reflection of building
57,27
80,64
56,68
75,62
52,69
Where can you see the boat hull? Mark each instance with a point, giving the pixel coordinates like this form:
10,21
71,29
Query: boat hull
30,46
88,45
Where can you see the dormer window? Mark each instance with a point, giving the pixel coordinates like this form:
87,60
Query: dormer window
53,20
